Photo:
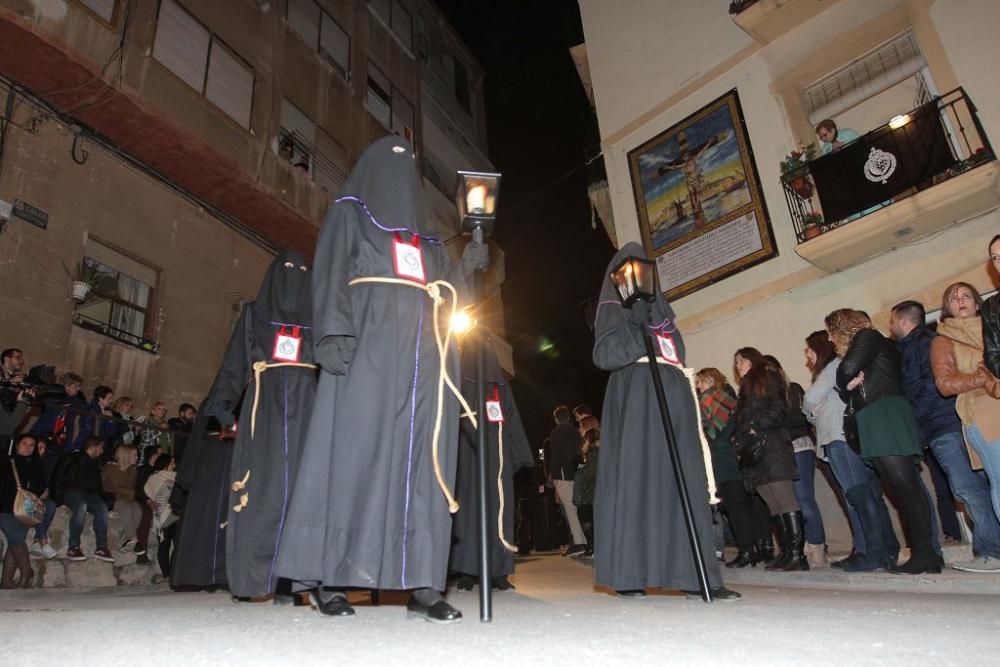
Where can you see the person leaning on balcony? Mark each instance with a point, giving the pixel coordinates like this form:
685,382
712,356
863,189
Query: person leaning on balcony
831,138
957,361
870,380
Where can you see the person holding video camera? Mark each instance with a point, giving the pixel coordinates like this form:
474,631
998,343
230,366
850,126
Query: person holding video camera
60,410
15,400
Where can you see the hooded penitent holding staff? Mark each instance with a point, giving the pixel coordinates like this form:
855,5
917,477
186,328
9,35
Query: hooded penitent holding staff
372,504
269,377
640,536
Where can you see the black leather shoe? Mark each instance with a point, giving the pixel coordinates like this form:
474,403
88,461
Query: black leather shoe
634,593
439,612
466,583
931,565
502,584
722,594
335,606
743,559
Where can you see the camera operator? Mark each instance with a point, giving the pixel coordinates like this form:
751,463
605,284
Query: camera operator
15,401
59,411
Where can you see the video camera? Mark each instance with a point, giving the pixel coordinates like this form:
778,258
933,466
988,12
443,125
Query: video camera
40,380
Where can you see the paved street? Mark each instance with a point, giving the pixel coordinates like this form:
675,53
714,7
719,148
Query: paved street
555,617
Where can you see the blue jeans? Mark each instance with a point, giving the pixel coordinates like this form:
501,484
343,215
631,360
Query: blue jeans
935,524
42,529
13,530
989,454
80,502
972,487
850,470
805,492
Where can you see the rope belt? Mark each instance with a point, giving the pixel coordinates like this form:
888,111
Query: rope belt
433,289
258,369
706,451
500,532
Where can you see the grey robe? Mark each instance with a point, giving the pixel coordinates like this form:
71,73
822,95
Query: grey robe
366,511
517,455
640,537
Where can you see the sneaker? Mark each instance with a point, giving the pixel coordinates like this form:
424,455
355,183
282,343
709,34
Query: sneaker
35,550
104,554
127,544
981,564
140,549
76,553
575,550
48,552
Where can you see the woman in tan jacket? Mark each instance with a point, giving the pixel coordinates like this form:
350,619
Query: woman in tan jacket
957,363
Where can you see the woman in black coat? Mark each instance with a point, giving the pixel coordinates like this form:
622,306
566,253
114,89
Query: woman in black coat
764,450
32,477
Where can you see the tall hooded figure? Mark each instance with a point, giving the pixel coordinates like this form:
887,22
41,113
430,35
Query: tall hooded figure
369,508
506,443
640,536
269,378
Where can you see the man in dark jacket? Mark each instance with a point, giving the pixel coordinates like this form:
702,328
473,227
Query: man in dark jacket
564,456
942,431
77,484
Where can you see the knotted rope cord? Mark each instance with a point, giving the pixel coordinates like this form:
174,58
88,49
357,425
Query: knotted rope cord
503,540
706,452
258,368
433,289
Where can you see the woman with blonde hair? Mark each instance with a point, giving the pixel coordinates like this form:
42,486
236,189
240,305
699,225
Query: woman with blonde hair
957,363
119,478
870,376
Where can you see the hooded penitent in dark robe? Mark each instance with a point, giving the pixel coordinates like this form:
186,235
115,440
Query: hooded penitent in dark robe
366,510
268,373
516,455
201,488
640,536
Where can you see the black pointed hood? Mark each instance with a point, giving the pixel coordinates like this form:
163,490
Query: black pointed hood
387,179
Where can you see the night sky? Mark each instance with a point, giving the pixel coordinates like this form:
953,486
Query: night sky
539,125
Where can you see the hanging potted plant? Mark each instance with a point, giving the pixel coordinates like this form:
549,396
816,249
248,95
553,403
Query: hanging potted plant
83,279
811,225
794,170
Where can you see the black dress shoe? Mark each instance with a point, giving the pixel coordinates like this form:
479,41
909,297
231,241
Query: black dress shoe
744,558
337,605
439,612
465,583
502,584
919,566
633,593
722,594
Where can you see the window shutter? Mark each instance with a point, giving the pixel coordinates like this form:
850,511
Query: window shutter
181,44
402,24
335,44
293,120
230,84
103,8
303,19
378,99
878,70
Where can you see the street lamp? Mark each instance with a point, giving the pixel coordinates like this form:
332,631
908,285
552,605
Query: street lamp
635,280
476,199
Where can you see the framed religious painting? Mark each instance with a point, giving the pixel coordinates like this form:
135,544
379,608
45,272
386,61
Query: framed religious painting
697,193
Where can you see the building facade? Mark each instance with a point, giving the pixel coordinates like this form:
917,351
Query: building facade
162,150
795,63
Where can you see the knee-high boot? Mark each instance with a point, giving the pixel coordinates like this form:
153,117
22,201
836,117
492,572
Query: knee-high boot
795,529
9,565
23,561
782,558
865,504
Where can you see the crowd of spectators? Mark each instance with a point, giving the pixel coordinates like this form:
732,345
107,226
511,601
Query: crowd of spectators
91,456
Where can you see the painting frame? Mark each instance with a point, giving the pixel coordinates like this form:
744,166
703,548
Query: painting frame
698,198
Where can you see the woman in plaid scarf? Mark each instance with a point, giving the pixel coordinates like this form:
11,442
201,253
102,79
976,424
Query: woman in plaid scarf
717,401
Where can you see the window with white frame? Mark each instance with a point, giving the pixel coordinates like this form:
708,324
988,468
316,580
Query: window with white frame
203,61
321,33
379,100
394,16
119,303
103,8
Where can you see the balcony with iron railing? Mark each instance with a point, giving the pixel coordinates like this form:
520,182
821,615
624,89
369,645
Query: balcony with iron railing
303,155
913,176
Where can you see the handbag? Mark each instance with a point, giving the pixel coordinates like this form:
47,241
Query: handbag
29,509
751,453
851,433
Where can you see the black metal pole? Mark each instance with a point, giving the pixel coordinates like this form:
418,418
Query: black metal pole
675,460
485,585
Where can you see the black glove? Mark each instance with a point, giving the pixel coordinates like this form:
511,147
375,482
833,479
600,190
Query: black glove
334,353
639,312
475,257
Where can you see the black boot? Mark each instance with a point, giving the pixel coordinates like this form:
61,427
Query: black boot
923,558
23,561
746,556
779,561
763,551
795,529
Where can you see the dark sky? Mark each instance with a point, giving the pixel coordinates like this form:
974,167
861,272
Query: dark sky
539,124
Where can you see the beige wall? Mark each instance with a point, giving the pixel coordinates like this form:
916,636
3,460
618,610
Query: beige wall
204,268
693,53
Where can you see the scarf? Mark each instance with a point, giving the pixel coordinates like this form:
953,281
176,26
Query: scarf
973,407
717,406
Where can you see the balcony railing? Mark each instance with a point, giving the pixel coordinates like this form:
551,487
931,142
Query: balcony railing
120,335
916,151
298,152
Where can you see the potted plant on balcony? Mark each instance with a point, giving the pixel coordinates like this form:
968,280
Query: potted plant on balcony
794,172
83,279
811,225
